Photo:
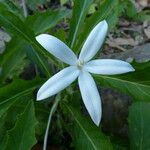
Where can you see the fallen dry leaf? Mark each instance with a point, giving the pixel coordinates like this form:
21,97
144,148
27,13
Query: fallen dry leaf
119,42
125,41
147,32
114,45
141,4
146,26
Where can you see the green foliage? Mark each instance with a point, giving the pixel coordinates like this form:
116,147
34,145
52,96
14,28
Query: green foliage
85,134
17,112
41,22
10,5
8,119
22,135
33,4
37,59
12,61
18,28
18,88
132,13
62,2
133,84
80,9
15,26
108,10
139,121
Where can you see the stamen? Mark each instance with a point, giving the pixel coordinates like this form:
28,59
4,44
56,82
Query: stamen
80,64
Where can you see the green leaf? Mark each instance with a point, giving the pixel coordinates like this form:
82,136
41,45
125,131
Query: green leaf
33,4
41,22
37,58
62,2
10,5
18,28
119,143
85,134
92,8
12,60
108,10
18,88
139,121
80,10
136,84
142,16
132,12
22,136
8,119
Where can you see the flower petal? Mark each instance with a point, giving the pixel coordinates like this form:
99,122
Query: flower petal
90,96
58,82
108,67
57,48
94,41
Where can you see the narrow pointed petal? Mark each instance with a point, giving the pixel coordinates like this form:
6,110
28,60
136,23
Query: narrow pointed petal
94,41
90,96
57,48
108,67
58,82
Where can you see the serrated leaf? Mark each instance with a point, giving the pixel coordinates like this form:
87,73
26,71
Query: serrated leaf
136,84
22,136
41,22
18,88
9,117
80,10
12,60
139,122
85,134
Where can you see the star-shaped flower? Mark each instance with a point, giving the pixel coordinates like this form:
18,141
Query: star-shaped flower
81,68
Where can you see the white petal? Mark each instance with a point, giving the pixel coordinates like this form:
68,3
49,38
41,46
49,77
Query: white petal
94,41
90,96
57,48
108,67
58,82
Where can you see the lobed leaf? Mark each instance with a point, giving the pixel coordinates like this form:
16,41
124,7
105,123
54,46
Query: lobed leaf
12,60
22,136
18,88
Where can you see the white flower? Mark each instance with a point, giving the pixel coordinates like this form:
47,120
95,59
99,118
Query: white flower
81,68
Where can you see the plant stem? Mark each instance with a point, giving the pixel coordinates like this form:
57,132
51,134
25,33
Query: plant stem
52,111
24,8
